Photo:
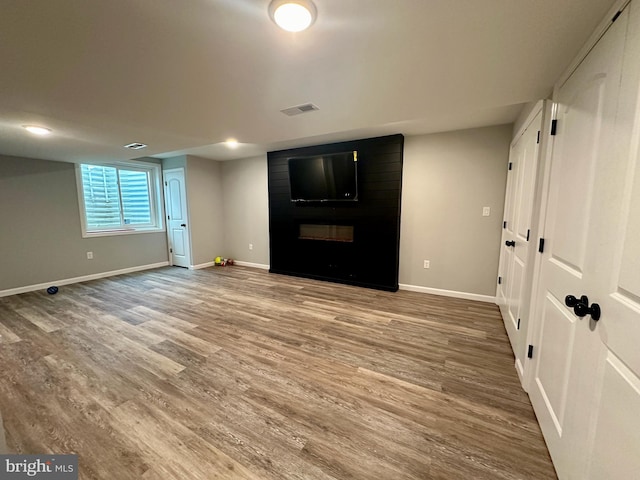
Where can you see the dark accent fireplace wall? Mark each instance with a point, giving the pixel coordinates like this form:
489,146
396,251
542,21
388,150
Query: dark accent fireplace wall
349,242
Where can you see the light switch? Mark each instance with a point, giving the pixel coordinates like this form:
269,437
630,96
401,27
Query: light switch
486,211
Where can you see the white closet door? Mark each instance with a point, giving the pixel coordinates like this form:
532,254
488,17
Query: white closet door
585,388
613,434
516,243
506,253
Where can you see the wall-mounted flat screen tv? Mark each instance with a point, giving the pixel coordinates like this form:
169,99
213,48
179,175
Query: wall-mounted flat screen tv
324,178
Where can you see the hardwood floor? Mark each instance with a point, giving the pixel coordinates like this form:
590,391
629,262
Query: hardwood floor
234,373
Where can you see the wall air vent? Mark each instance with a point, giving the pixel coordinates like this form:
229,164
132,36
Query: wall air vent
135,146
298,109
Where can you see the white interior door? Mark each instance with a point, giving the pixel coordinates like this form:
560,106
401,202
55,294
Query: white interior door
506,253
175,195
516,237
613,434
585,388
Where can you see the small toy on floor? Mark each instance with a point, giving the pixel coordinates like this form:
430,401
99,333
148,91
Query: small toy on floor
222,262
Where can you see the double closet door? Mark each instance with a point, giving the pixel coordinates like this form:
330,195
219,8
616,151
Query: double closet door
518,241
585,378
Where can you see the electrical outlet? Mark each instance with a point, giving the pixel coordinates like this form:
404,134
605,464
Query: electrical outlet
486,211
89,255
251,246
426,264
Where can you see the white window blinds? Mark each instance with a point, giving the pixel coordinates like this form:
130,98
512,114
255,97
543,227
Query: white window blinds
119,197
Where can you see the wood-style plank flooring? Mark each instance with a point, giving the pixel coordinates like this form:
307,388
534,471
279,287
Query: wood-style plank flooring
235,373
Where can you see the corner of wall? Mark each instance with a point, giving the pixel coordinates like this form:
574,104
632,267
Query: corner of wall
447,180
246,209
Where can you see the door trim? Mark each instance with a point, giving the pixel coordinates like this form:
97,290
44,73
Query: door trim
597,34
537,108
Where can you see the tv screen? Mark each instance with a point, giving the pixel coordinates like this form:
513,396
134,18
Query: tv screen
323,178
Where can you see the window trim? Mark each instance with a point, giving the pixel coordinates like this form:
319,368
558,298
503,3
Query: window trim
155,199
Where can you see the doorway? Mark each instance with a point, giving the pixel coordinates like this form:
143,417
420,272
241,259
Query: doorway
175,196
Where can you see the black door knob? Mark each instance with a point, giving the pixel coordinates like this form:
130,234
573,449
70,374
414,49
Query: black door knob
581,307
571,301
183,224
510,243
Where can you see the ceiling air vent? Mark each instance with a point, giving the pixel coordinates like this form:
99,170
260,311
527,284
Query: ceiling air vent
135,146
298,109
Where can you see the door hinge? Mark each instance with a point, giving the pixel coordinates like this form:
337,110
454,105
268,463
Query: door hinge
538,140
541,246
554,127
510,165
166,184
504,224
518,327
499,280
528,233
530,352
615,17
171,250
168,217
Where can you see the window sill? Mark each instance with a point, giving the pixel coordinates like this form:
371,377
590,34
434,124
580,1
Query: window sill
124,231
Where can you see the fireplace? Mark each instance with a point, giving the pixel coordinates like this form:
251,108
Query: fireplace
327,233
354,242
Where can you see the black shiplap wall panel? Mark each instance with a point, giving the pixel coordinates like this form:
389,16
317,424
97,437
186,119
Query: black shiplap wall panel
372,259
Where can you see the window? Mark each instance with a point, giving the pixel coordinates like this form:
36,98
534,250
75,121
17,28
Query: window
119,199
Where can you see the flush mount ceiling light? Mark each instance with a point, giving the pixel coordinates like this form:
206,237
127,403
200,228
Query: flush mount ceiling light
231,143
37,130
135,146
293,15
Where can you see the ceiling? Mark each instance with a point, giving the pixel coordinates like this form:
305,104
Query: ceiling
184,76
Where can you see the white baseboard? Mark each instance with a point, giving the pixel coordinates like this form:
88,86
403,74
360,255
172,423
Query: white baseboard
84,278
240,263
202,265
261,266
520,371
449,293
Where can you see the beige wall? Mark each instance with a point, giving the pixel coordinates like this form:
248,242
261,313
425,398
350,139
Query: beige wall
246,209
204,192
447,179
40,229
203,179
174,162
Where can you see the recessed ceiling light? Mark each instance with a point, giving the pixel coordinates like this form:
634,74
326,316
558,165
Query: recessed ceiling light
37,130
232,143
293,15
